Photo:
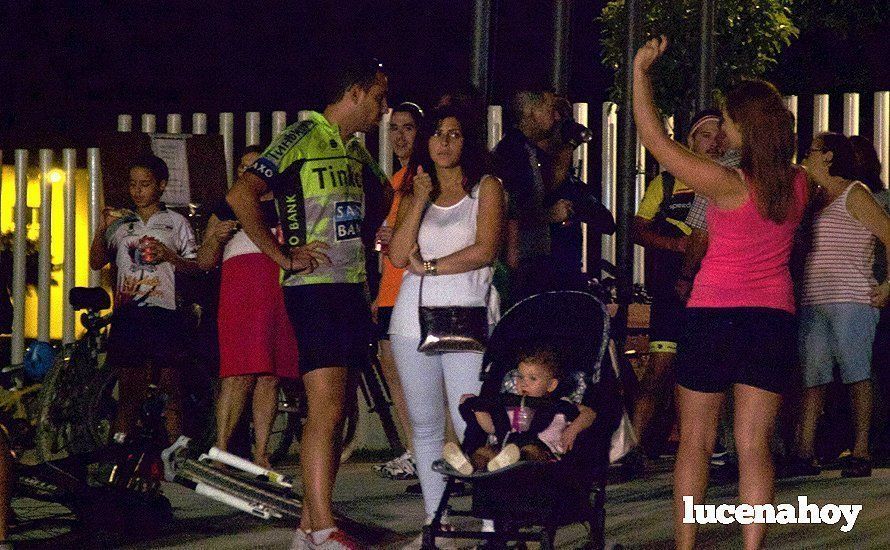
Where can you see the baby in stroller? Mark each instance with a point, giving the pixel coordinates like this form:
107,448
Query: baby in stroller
529,500
527,422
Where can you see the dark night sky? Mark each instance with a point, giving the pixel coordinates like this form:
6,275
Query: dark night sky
69,67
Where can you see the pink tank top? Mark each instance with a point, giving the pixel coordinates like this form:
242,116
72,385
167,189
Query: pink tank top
747,260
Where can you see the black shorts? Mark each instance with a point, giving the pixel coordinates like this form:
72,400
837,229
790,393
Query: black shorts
725,346
332,323
146,335
666,317
384,314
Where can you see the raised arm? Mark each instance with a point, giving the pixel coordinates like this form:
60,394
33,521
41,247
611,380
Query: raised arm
408,218
718,183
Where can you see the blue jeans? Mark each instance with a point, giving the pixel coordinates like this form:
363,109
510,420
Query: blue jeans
433,385
836,334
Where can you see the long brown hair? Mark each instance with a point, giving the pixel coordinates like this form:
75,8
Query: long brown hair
767,129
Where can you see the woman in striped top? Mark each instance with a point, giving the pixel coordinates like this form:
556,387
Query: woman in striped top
840,298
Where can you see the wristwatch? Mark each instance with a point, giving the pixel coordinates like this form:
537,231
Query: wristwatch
430,267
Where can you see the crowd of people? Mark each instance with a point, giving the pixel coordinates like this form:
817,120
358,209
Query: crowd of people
314,242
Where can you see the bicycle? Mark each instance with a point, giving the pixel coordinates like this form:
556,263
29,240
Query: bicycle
75,391
75,418
371,389
40,501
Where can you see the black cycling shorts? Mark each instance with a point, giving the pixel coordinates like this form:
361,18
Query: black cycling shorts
754,346
666,316
141,336
332,323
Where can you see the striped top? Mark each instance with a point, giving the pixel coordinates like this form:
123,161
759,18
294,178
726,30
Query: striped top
839,266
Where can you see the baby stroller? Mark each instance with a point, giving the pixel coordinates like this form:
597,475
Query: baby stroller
531,500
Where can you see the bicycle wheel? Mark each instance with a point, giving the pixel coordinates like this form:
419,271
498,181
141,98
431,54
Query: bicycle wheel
376,392
292,416
286,424
62,403
355,426
102,407
43,509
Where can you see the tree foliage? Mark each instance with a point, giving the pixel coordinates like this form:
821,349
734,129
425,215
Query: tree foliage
749,35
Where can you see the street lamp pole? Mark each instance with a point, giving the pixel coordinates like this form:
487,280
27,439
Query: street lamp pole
627,175
706,55
562,16
481,44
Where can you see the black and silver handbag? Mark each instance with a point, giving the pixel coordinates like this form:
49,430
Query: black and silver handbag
452,328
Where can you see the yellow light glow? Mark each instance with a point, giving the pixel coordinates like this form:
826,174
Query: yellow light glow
56,176
81,238
33,193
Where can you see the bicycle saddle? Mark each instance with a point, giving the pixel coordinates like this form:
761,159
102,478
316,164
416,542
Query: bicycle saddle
94,298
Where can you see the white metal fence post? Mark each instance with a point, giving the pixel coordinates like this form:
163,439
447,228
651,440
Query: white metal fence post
820,114
495,126
199,124
579,166
19,256
882,132
791,105
227,129
69,161
383,145
609,160
124,123
44,256
279,123
149,123
639,190
252,123
96,202
851,114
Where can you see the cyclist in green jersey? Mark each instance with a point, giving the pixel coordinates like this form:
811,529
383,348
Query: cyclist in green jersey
315,170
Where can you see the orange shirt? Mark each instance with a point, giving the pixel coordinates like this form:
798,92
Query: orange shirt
391,279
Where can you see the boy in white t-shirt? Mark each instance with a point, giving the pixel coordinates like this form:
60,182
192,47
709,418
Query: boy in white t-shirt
148,245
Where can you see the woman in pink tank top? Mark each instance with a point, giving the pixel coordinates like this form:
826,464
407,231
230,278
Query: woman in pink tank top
740,332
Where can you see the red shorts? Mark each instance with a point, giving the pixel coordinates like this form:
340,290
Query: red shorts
255,333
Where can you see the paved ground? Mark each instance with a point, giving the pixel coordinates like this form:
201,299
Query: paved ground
638,515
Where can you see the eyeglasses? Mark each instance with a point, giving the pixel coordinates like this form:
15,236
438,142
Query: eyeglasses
450,135
815,150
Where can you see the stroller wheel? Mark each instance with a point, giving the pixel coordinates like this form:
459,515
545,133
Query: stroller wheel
428,541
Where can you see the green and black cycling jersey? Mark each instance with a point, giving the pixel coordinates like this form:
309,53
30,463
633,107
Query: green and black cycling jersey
316,179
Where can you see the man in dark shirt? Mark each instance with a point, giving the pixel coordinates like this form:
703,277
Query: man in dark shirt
543,245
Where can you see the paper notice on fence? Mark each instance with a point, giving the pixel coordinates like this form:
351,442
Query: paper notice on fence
171,148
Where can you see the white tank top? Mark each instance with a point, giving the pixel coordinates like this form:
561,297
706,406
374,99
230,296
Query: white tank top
444,231
238,245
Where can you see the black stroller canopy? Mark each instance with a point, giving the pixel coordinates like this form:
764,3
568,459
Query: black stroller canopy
574,323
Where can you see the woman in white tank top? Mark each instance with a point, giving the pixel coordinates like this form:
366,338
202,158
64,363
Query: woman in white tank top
448,228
